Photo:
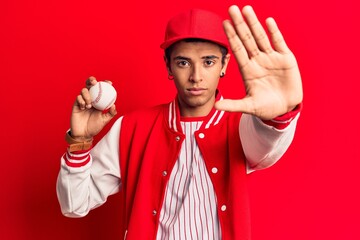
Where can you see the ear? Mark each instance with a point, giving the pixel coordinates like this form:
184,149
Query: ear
167,64
226,62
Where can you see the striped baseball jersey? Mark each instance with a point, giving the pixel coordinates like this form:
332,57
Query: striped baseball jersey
179,178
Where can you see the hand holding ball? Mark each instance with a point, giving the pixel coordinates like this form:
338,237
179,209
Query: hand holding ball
103,95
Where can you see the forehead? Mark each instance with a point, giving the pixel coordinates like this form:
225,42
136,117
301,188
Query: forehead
184,48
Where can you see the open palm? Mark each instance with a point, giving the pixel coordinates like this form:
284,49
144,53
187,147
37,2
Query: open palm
269,69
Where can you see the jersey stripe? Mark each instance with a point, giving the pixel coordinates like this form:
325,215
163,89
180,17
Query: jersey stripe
189,210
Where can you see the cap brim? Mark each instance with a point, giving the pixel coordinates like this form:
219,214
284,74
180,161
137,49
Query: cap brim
171,41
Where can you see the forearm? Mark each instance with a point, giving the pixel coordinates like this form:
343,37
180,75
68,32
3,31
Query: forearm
265,144
72,188
86,179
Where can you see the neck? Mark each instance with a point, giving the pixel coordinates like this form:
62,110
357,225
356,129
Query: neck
195,111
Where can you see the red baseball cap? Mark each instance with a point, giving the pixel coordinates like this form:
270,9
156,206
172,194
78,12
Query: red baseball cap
195,23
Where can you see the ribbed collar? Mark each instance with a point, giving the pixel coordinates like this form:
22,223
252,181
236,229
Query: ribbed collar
174,118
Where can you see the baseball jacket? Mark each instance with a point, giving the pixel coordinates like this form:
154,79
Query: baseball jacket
142,147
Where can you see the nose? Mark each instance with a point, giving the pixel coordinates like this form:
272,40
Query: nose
196,75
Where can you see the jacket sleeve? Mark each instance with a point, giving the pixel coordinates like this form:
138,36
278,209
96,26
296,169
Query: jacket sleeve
87,178
265,142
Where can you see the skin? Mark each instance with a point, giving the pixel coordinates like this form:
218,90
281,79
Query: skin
269,70
86,121
196,69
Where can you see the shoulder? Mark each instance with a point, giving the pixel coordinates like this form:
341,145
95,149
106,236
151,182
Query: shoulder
142,122
145,114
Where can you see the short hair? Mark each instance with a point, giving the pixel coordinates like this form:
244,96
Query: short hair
224,50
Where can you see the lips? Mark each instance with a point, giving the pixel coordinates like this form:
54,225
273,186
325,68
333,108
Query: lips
196,91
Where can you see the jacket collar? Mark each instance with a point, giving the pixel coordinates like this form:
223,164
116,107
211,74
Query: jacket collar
173,114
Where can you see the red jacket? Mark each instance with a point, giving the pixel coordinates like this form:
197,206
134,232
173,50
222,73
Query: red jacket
150,141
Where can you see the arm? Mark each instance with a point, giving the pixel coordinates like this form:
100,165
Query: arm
87,178
265,142
272,83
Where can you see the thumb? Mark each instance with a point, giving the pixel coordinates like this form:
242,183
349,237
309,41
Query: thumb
244,105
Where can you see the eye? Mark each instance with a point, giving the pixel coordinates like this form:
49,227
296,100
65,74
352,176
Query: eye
183,63
209,63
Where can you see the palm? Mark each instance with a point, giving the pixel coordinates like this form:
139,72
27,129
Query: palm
271,76
87,122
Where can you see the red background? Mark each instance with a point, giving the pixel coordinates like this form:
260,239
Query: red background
49,48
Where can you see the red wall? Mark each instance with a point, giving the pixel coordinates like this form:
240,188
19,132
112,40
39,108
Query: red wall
48,49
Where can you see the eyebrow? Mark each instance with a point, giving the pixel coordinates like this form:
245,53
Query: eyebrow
187,59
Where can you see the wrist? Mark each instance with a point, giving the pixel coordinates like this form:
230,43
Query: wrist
78,143
282,121
80,139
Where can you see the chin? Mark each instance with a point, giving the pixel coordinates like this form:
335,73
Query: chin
196,102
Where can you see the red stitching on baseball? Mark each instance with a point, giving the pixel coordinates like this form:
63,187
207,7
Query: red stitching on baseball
97,99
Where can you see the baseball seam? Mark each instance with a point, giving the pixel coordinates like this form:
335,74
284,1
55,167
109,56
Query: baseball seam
97,99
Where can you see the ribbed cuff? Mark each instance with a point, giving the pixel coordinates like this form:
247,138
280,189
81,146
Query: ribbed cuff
77,159
284,120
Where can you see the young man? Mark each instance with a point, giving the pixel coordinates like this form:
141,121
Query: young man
181,167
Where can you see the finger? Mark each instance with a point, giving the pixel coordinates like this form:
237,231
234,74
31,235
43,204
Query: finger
80,102
277,38
259,33
86,97
112,111
109,114
236,45
244,105
91,81
243,31
108,81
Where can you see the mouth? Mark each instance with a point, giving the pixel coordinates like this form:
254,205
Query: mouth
196,91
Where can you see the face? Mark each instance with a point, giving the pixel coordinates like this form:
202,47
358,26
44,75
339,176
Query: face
196,67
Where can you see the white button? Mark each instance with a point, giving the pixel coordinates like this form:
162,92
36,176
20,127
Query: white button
177,138
154,212
201,135
164,173
214,170
223,208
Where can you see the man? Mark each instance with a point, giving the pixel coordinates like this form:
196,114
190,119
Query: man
180,168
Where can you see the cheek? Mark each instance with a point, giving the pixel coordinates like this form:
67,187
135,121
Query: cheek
181,76
214,83
214,76
179,81
215,70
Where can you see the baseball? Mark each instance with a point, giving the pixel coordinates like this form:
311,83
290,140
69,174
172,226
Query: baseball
103,95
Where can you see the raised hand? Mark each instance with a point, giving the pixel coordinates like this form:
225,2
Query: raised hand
87,121
269,69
